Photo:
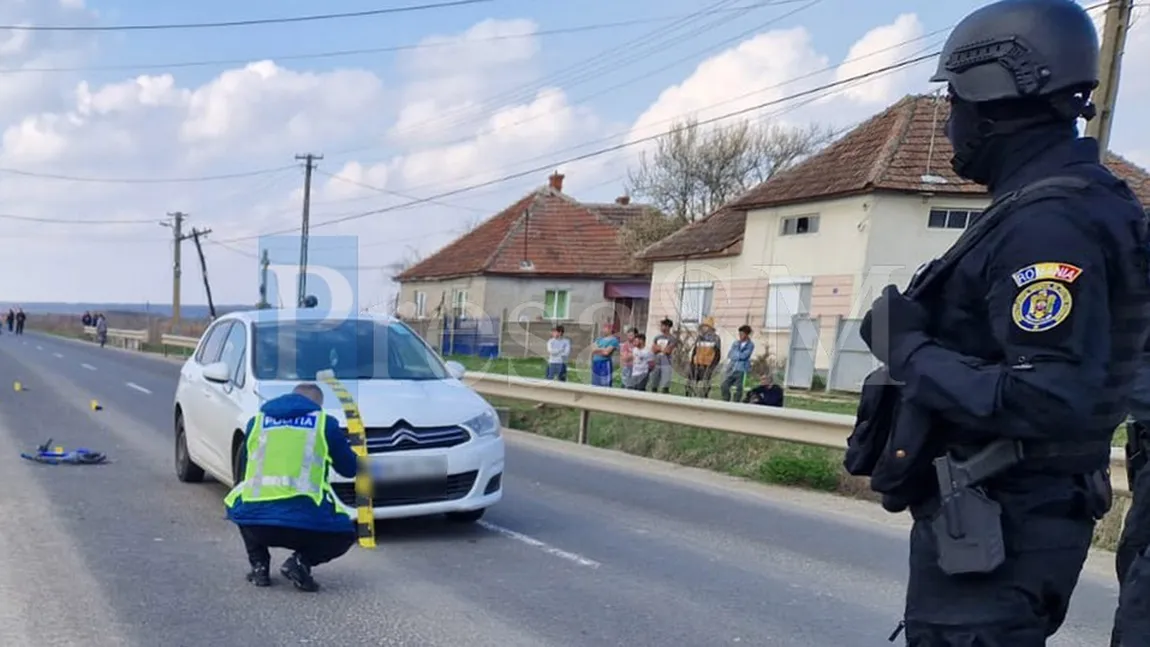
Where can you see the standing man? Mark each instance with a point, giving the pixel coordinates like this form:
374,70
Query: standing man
20,319
285,499
1022,345
664,350
705,357
1132,559
603,357
738,365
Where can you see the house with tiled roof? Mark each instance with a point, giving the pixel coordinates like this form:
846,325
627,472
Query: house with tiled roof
547,257
823,237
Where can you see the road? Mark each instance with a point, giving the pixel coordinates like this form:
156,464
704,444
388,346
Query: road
588,548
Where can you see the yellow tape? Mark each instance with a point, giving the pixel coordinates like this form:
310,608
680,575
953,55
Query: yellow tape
364,509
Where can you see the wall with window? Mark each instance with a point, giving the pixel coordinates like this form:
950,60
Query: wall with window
906,231
432,299
547,299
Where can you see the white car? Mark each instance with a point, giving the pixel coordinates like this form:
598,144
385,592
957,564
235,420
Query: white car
440,442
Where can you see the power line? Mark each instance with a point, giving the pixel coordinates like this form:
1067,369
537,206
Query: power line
248,23
611,149
123,180
60,221
371,50
600,63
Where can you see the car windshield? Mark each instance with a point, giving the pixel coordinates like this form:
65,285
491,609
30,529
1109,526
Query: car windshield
354,350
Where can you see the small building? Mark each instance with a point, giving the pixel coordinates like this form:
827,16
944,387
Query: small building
822,238
546,258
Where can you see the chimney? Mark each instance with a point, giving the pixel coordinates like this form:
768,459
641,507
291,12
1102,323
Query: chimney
623,200
556,180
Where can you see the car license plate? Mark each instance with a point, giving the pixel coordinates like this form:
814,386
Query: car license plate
414,468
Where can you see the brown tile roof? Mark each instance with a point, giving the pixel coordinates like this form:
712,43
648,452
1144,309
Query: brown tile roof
891,151
563,238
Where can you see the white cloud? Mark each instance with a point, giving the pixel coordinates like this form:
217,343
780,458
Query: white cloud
470,107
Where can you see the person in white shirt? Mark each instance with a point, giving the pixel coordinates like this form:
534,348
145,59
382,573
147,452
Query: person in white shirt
558,353
643,362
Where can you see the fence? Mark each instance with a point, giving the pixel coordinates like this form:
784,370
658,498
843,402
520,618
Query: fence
849,360
805,427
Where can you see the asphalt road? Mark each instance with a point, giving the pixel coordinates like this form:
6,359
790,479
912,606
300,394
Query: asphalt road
588,548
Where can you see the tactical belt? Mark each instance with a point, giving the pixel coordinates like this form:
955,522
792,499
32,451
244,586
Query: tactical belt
1041,450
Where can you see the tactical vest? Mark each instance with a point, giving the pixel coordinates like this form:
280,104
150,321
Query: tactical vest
287,457
891,443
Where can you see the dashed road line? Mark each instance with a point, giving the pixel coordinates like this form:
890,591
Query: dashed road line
38,347
133,385
89,367
543,546
58,355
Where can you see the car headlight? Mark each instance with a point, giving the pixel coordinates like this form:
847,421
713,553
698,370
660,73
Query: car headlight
485,424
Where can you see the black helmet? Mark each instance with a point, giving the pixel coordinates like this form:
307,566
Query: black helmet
1021,48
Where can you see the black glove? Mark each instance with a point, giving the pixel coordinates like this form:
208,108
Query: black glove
890,321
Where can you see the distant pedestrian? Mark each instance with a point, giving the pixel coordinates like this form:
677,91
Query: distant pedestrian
20,317
663,347
642,360
705,357
603,357
101,329
558,354
738,365
10,318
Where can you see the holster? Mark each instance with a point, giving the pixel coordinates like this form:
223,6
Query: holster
1137,446
968,524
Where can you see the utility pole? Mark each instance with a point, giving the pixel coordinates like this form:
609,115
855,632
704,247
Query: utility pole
178,237
1118,13
196,233
265,261
309,160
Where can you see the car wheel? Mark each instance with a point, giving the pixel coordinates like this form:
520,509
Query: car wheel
470,516
186,470
237,474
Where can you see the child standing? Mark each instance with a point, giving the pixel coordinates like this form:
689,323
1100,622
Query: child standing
643,360
558,354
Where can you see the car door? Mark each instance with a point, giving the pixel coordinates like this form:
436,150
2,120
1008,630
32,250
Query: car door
200,401
226,411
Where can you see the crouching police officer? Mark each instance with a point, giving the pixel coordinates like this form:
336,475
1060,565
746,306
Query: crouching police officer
285,500
1132,559
1016,355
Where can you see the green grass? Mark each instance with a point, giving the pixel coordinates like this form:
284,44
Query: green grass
760,459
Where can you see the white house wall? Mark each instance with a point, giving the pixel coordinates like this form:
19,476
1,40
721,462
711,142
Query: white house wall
899,240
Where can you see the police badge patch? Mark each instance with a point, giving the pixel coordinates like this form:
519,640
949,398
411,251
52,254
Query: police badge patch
1042,306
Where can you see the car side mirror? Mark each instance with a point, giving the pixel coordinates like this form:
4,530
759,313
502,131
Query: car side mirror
455,369
218,372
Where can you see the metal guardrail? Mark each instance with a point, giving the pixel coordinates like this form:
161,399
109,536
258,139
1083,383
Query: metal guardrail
130,339
812,428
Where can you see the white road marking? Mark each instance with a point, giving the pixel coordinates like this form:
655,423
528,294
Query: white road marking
133,385
545,547
39,348
89,367
58,355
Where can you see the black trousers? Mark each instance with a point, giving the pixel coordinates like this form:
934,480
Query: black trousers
313,547
1047,526
1132,561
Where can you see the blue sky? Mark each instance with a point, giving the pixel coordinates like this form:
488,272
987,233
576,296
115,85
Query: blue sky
416,123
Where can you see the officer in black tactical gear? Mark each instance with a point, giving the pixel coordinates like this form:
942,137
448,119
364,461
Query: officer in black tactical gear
1011,357
1132,621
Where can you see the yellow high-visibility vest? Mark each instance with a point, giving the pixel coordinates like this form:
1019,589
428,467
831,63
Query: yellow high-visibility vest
287,457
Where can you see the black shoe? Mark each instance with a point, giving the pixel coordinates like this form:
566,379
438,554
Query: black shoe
299,574
259,575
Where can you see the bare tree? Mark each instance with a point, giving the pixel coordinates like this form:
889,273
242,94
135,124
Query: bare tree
694,170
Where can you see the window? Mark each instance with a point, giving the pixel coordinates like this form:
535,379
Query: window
420,305
695,301
796,225
459,304
212,343
785,299
235,348
951,218
360,349
555,304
